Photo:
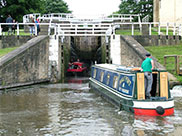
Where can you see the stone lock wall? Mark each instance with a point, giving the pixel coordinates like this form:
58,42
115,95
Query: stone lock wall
26,65
151,40
12,41
133,54
129,55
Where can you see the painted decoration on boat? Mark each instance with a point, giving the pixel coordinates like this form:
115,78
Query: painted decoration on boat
123,83
126,84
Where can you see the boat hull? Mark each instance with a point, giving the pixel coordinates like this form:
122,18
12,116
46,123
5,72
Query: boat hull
112,96
138,107
153,112
154,107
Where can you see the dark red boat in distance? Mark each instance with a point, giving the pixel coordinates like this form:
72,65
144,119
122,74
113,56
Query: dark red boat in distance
77,68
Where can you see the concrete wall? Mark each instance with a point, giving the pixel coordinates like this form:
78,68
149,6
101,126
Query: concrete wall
105,50
86,46
133,53
11,41
64,56
26,65
146,40
129,52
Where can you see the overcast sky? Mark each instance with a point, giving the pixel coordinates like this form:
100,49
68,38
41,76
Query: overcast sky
93,7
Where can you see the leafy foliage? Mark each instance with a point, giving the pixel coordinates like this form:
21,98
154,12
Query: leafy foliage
56,6
128,7
18,8
146,8
142,7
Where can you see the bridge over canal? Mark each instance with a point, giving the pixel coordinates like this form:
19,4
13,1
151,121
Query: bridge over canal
87,39
64,38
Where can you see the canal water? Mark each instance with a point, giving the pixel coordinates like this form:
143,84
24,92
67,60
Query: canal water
72,109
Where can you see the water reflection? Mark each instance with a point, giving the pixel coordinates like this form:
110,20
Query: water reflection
157,125
72,109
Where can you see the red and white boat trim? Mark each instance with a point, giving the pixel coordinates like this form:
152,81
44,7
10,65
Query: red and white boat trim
153,108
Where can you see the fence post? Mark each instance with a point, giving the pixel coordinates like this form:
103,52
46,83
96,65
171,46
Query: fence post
76,28
132,32
55,31
0,30
93,29
159,29
177,65
174,29
150,29
165,61
179,30
167,29
35,29
18,30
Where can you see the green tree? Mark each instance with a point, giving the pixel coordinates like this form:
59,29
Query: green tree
128,7
18,8
146,8
56,6
141,7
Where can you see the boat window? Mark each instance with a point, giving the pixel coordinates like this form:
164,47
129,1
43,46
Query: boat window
108,78
101,76
95,71
75,66
115,81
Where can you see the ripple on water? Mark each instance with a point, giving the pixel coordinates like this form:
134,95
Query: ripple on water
176,91
71,109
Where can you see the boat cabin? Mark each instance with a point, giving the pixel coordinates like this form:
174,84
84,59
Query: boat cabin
125,87
130,81
77,68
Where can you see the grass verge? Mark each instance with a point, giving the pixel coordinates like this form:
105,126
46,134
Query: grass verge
159,51
154,31
6,51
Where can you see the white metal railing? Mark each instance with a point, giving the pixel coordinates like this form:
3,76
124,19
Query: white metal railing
157,27
57,16
76,30
125,17
97,29
84,29
73,18
145,19
27,17
20,28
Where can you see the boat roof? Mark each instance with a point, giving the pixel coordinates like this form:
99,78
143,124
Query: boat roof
77,63
118,67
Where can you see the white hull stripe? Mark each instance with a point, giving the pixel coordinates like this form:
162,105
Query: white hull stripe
141,104
153,104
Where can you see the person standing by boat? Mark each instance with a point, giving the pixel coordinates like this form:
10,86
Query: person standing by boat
147,67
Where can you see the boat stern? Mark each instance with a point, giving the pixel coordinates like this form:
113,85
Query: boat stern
154,108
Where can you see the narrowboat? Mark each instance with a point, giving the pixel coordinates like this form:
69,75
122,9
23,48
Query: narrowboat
124,87
77,68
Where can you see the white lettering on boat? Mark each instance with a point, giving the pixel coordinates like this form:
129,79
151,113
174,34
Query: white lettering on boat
124,90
